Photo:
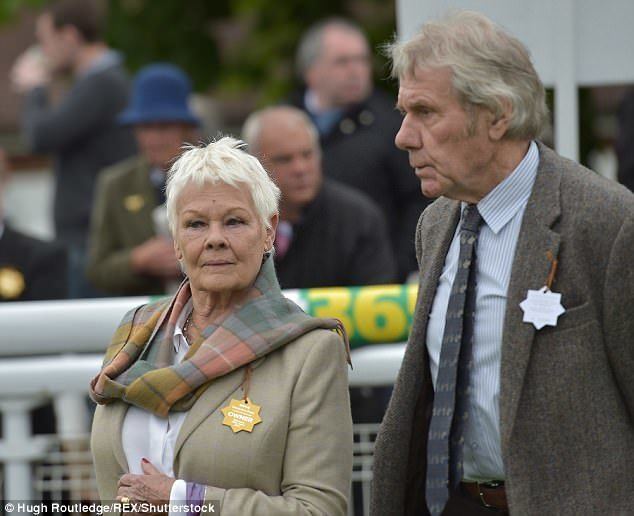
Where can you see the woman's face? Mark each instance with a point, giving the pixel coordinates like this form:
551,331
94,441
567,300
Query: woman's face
220,238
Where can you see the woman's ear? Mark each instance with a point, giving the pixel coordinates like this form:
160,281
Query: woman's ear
270,232
177,251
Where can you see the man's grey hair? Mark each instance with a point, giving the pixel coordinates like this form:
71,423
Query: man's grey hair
222,161
254,125
490,68
310,44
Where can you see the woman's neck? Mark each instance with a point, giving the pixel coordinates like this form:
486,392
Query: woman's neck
212,307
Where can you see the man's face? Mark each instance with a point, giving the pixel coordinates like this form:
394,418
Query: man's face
448,147
59,46
342,74
290,154
160,143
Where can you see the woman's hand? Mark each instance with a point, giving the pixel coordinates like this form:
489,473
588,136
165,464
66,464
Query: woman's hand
152,487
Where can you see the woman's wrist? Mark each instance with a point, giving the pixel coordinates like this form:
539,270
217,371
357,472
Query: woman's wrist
195,497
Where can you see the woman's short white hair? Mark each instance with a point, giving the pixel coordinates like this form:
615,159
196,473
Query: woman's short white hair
222,161
490,68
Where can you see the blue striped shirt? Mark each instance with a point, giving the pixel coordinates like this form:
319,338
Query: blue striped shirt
502,210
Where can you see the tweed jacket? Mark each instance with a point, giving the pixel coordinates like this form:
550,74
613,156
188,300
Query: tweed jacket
297,461
566,392
122,220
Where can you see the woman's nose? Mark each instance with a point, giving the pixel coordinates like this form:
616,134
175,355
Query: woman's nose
215,237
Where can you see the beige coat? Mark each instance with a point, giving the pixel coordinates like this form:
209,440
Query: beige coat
298,461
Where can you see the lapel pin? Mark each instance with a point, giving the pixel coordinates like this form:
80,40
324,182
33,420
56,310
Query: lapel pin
543,307
134,203
242,415
12,283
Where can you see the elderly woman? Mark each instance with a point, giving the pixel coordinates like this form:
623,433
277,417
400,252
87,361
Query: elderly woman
227,392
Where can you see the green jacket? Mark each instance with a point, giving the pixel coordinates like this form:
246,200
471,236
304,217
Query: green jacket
122,220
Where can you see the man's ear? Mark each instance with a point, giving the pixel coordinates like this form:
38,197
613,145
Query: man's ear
498,125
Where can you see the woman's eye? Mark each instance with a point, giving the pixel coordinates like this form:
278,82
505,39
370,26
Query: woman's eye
233,221
195,224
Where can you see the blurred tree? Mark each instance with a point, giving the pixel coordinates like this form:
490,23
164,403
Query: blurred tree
10,8
236,48
168,30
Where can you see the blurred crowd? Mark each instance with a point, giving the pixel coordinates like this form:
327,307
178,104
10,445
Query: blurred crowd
350,201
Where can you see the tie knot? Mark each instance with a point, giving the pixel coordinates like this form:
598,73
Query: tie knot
471,219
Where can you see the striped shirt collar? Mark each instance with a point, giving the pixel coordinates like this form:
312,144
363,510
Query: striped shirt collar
501,204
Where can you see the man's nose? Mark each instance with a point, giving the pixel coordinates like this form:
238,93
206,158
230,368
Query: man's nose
406,138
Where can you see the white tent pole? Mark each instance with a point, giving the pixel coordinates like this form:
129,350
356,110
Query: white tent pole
566,92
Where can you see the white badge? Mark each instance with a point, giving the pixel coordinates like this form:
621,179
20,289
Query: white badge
542,307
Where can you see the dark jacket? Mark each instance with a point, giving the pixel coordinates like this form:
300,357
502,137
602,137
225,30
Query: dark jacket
360,152
340,241
83,135
31,269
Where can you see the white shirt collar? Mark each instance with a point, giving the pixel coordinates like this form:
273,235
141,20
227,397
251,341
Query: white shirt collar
501,204
179,337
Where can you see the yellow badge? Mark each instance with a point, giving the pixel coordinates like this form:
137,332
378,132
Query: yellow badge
241,415
134,202
11,283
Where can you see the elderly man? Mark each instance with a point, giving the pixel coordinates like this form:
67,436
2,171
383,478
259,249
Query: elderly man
81,130
516,392
131,252
329,235
357,126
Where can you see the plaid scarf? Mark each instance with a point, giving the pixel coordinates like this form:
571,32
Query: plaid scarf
138,366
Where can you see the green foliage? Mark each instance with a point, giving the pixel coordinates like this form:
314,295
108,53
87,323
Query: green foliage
231,46
149,30
9,9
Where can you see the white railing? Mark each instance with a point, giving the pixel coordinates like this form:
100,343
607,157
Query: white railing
51,350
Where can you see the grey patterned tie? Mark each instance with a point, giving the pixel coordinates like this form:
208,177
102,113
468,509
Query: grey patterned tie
450,411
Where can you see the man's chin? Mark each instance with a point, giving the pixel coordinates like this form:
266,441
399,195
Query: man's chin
430,191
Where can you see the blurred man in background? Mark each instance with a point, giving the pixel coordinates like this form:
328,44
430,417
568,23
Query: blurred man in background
329,234
81,130
131,252
357,125
30,269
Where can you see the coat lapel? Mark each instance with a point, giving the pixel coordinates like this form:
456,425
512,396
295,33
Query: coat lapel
119,410
209,402
530,271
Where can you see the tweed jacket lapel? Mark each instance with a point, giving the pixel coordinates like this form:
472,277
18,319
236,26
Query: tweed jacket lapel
432,247
530,271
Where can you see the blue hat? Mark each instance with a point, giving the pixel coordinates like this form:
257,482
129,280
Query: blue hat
159,94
